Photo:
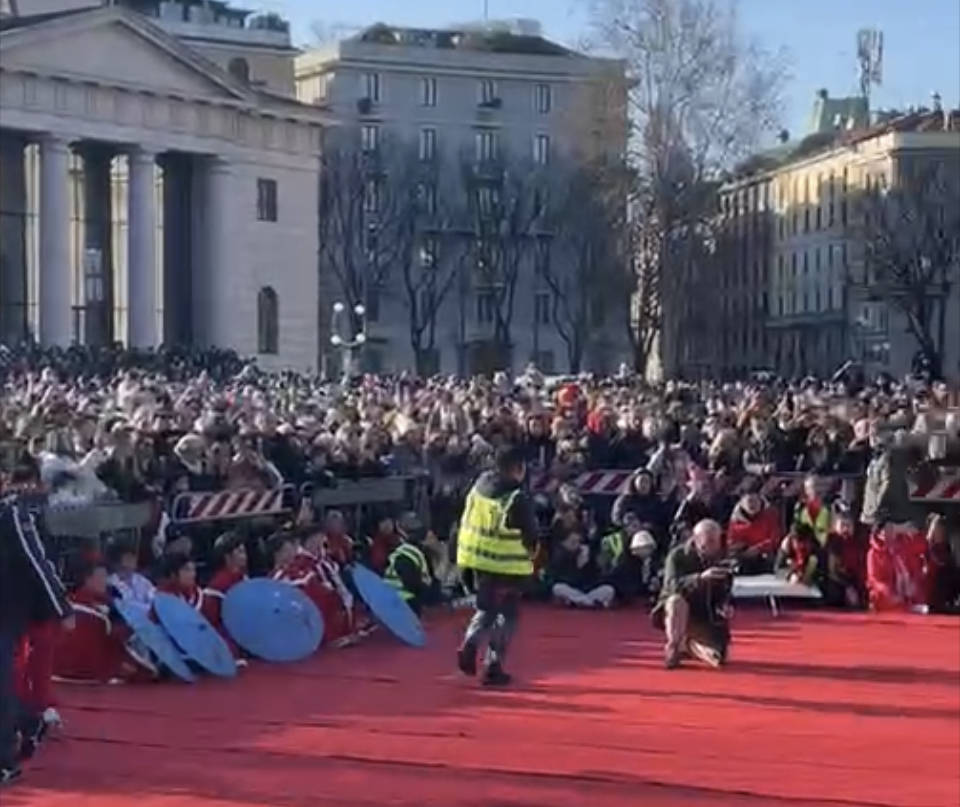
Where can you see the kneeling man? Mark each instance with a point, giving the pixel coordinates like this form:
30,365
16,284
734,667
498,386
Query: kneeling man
694,606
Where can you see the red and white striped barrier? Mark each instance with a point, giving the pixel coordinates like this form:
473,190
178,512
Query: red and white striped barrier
228,504
945,488
592,483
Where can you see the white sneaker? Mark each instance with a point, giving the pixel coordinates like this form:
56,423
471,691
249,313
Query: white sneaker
51,718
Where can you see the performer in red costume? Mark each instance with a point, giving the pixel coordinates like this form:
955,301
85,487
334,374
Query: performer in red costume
896,569
232,554
97,649
318,578
180,579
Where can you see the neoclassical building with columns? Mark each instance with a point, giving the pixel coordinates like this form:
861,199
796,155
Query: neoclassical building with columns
152,191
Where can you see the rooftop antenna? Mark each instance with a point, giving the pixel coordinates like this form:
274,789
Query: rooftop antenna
486,10
870,56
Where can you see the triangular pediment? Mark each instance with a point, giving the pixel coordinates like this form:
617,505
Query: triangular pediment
113,46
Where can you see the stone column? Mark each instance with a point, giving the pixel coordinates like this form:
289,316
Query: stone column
97,242
56,316
13,253
142,251
218,308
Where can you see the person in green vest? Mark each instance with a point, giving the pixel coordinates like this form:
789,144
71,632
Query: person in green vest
496,543
811,511
409,572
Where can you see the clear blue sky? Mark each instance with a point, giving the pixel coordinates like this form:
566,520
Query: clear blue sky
921,53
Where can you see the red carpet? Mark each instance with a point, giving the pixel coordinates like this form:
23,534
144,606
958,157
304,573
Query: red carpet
815,708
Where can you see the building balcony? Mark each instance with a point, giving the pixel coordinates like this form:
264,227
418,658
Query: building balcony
812,319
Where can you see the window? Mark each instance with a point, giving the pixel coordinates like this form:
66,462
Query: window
428,252
486,142
372,305
542,258
541,308
239,68
488,197
487,91
428,91
541,149
370,138
793,264
542,98
268,321
371,87
428,144
817,261
371,196
427,196
486,306
806,263
266,200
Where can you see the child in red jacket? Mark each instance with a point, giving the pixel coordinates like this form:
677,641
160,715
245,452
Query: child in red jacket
845,581
97,649
753,533
896,569
232,554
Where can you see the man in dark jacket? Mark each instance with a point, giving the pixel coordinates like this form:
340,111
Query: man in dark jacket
496,543
29,591
694,600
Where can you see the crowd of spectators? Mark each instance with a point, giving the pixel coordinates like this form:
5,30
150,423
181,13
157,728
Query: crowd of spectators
111,423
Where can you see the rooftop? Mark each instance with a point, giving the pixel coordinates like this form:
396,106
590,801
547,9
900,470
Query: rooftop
918,120
518,37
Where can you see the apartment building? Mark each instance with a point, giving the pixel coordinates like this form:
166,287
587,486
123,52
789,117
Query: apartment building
797,293
471,96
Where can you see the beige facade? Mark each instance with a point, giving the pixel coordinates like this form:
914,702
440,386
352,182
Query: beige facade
165,202
792,248
513,93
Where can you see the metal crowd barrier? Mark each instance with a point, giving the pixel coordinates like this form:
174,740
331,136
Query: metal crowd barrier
94,520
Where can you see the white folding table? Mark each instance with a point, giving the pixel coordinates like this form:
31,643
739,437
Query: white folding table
772,588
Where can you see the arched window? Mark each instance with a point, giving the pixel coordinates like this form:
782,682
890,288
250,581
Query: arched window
239,69
268,321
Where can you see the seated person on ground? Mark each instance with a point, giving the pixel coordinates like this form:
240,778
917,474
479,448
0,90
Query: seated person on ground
325,586
896,569
180,580
98,648
231,558
574,577
943,574
798,558
339,543
845,580
694,607
753,533
625,558
811,511
409,572
131,586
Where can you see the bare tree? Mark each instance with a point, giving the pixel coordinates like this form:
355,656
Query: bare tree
911,241
498,225
584,269
363,203
424,249
699,98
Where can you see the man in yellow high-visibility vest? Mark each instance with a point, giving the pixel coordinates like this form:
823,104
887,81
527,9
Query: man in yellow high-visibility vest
496,542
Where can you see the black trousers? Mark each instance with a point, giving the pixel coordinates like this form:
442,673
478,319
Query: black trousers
497,615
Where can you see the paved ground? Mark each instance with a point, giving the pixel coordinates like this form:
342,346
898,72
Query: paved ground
815,708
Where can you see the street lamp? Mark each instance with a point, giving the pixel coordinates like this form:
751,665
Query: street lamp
357,336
